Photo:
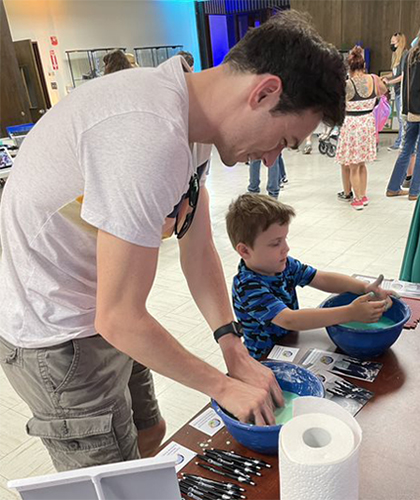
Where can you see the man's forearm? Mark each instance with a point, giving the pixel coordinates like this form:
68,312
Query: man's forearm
146,341
206,281
207,284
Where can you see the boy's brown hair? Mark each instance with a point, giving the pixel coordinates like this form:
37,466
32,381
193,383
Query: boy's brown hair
251,214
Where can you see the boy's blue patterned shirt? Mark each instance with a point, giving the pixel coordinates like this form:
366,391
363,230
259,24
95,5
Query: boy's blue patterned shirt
257,299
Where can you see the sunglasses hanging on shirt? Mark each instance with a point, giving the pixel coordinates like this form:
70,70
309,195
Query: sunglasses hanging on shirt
185,215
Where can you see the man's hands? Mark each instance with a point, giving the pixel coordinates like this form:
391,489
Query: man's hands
259,394
248,403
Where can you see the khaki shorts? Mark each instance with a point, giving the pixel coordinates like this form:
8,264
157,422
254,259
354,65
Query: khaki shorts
88,400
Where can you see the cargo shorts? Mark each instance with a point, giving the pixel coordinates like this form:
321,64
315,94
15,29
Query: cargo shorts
88,400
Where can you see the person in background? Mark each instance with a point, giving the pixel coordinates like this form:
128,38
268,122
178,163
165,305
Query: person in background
188,57
115,61
357,141
275,177
411,108
398,47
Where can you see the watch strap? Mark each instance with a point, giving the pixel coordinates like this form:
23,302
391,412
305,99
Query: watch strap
232,327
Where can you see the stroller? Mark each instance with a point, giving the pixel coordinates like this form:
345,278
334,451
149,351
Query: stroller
328,142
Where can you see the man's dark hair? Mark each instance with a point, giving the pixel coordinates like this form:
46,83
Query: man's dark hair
311,70
187,56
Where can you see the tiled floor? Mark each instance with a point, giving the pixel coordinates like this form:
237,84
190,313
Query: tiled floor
326,233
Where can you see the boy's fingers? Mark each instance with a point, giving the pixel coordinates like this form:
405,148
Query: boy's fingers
379,305
378,281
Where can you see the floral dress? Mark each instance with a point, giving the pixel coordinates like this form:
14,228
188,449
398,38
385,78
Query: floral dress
357,142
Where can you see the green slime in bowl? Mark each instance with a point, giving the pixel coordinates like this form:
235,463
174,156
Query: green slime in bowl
384,322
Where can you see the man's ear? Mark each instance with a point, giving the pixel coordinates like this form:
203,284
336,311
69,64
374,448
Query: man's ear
266,92
243,250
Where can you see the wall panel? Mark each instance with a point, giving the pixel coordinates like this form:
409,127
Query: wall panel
370,22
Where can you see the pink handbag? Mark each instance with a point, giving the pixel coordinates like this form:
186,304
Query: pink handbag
381,113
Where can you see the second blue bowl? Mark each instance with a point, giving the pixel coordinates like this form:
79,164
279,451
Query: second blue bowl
365,344
291,378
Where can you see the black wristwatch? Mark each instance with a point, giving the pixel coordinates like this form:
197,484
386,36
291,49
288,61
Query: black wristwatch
232,327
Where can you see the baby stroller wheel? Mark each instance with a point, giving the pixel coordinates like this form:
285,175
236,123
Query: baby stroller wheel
323,147
331,150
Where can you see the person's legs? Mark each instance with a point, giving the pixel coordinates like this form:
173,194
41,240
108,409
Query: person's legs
78,394
273,180
345,177
401,165
150,425
363,179
415,181
254,176
308,145
282,169
346,194
397,142
355,179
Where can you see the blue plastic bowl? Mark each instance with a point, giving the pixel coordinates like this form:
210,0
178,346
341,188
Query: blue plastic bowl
264,440
365,344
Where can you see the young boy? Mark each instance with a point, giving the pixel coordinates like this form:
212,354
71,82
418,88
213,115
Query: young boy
264,290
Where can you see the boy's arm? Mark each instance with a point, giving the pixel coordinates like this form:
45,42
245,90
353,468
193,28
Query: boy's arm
362,309
338,283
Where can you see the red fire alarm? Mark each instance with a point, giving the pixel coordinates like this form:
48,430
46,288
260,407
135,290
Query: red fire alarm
54,40
54,61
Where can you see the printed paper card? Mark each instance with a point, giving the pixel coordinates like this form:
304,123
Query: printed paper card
208,422
282,353
341,364
403,288
351,397
183,455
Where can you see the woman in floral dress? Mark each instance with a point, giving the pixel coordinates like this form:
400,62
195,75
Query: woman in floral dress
357,144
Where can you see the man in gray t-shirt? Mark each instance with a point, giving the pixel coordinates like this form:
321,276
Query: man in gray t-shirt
81,223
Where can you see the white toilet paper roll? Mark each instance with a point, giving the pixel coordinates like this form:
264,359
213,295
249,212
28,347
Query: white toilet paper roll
318,452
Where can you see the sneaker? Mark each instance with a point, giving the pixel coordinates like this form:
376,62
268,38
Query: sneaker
357,204
401,192
342,196
406,183
365,201
284,180
307,149
394,147
412,197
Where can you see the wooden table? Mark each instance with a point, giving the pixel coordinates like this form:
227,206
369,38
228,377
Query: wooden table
390,452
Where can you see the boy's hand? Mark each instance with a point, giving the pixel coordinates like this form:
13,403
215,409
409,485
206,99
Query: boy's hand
379,292
366,309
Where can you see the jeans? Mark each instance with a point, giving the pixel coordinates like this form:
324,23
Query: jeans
398,140
275,174
412,136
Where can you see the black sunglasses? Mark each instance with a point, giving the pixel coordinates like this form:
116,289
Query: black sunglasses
192,196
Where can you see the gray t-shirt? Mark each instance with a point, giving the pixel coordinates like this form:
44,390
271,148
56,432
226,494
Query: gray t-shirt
112,155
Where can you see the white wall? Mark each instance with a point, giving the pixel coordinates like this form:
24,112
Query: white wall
87,24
